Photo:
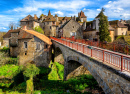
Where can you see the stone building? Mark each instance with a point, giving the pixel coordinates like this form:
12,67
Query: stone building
6,38
30,22
82,17
50,24
71,28
120,28
30,46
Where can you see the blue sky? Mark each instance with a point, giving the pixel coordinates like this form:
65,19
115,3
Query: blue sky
15,10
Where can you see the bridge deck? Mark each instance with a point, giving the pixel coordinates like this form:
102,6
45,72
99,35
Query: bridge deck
113,59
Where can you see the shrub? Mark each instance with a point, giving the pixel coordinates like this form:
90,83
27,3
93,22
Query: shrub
39,29
7,74
3,58
30,71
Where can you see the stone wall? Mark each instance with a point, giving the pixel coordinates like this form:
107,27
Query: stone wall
111,80
72,26
6,42
14,39
41,57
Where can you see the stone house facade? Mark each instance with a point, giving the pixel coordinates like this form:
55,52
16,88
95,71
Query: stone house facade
6,39
71,28
120,28
30,22
30,46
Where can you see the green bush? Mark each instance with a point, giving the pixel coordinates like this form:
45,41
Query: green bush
5,49
13,61
7,74
3,58
39,29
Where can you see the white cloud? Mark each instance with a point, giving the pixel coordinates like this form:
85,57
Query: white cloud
4,28
98,9
117,8
109,1
59,13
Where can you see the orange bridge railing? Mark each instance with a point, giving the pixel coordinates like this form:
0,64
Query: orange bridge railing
114,58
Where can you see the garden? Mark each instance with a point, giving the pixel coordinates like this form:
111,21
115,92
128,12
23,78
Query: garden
29,79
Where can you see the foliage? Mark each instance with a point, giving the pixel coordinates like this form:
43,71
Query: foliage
31,70
21,87
8,71
39,29
7,74
3,58
53,75
60,69
12,61
5,49
30,86
103,27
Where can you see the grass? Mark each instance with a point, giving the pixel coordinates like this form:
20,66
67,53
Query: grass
50,81
53,75
8,71
60,69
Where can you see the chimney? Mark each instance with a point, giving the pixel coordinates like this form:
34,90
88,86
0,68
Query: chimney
35,17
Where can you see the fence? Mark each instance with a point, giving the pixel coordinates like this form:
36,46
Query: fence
121,48
116,59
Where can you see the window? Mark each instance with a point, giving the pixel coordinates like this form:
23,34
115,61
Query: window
53,22
47,22
25,45
50,27
73,26
46,46
121,29
73,33
38,46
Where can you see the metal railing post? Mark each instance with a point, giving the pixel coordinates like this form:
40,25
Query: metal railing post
121,63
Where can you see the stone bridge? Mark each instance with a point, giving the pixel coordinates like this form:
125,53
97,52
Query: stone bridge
112,80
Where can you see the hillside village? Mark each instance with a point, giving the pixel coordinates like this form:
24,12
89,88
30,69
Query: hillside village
22,41
30,46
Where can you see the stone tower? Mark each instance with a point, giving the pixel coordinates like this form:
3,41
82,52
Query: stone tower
49,13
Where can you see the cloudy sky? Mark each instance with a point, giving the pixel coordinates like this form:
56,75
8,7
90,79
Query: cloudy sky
15,10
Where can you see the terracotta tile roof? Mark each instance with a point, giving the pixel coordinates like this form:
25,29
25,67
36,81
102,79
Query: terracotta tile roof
8,34
28,18
15,31
24,35
40,36
49,18
82,15
117,23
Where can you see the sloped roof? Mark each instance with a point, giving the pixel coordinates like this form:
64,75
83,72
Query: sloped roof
8,34
82,15
110,28
49,18
40,36
24,35
28,18
117,23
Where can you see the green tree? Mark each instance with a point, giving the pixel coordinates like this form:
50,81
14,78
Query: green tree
39,29
103,27
30,71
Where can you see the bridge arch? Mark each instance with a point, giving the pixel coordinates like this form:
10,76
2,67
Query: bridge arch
80,62
109,78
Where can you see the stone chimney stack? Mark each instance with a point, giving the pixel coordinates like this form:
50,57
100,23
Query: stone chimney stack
35,17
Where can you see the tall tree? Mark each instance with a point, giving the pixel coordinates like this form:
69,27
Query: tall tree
103,27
